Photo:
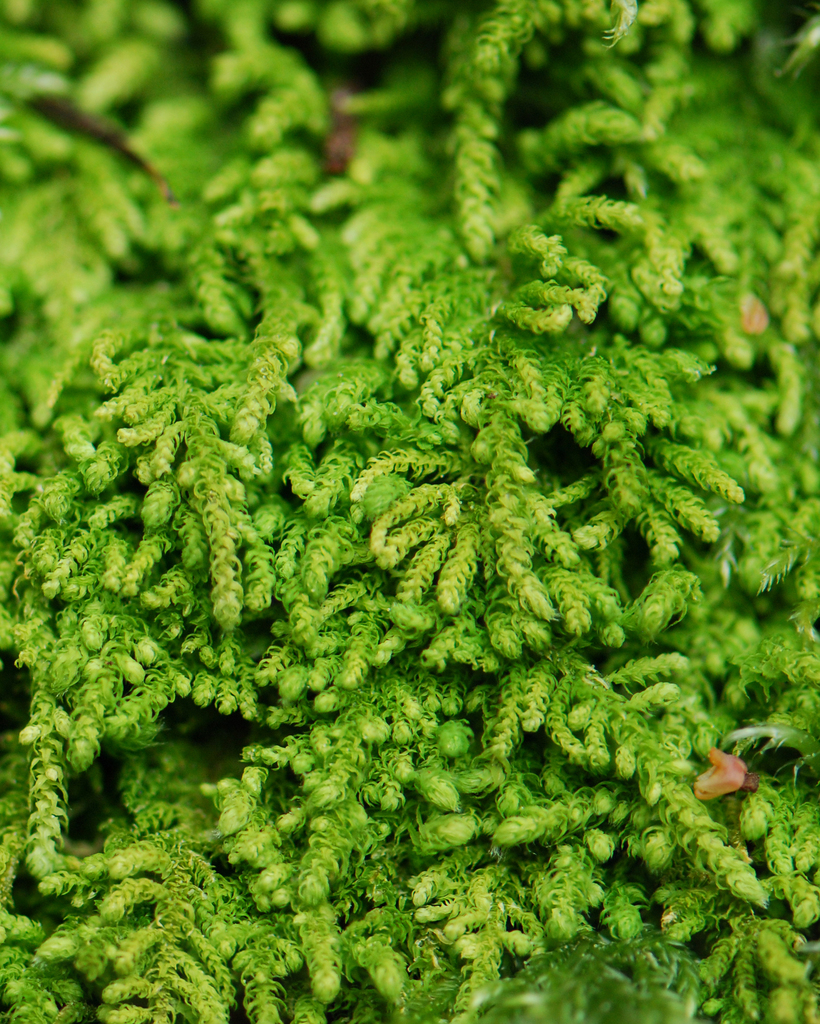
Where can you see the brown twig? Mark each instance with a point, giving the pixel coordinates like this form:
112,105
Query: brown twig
340,144
63,113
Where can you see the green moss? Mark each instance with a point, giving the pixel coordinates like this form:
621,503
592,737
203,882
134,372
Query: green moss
388,531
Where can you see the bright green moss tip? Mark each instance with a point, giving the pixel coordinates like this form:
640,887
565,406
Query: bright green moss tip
389,529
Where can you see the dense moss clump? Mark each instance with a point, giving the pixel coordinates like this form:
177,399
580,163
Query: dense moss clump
390,527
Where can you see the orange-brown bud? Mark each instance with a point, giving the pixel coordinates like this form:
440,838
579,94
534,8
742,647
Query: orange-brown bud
728,775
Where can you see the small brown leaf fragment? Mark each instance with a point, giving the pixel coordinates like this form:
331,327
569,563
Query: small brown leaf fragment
754,317
340,144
